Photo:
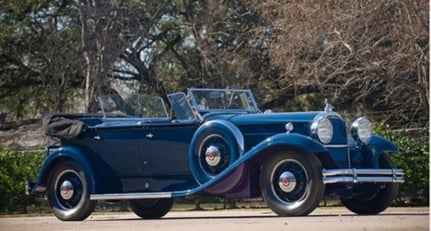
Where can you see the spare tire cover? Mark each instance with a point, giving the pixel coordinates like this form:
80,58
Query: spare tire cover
215,146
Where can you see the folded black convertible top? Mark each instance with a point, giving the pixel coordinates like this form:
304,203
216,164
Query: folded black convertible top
63,126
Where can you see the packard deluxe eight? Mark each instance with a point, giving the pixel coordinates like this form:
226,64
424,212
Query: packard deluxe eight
150,150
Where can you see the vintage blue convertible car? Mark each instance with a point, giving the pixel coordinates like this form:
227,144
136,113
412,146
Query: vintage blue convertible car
213,142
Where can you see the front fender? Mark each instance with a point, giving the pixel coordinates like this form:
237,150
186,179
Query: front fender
377,143
368,155
284,140
294,140
288,140
59,155
291,140
381,144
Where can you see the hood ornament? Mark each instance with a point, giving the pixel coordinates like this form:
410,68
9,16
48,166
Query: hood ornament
328,107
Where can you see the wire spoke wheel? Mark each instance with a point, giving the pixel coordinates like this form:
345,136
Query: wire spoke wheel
291,183
68,194
214,154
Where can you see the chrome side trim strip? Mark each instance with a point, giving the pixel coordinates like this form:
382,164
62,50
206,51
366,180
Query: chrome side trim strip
336,146
115,196
352,175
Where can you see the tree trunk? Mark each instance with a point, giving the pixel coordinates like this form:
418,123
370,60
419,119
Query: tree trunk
87,74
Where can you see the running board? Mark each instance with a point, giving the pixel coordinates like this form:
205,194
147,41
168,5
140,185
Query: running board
123,196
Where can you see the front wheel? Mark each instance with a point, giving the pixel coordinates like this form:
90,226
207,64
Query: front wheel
374,198
151,208
68,194
291,183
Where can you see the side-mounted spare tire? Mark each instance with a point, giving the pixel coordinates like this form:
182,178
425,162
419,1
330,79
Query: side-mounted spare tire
214,147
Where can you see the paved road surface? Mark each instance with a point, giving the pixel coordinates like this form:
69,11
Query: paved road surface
337,219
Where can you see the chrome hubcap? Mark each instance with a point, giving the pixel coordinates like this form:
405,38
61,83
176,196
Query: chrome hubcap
287,181
212,156
66,190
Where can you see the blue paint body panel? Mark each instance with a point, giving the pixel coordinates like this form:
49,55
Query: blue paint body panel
127,155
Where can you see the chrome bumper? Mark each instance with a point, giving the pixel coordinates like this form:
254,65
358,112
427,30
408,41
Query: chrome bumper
352,175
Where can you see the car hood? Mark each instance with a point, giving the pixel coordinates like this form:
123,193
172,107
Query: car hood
266,118
259,126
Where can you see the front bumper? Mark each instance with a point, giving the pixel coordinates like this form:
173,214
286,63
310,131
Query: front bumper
352,175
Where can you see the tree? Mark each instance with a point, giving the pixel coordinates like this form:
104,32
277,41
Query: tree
107,28
196,43
363,55
137,63
225,51
35,71
54,52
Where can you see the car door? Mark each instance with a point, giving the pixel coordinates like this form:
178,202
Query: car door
167,148
120,149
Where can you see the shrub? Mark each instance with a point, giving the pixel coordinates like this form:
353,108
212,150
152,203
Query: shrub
15,169
413,157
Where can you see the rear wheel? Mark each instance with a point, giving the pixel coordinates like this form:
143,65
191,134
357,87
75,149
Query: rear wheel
68,194
291,183
376,197
151,208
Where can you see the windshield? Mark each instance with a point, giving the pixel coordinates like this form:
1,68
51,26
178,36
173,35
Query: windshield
135,106
222,99
181,106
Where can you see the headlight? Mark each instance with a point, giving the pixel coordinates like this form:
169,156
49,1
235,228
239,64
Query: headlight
361,130
323,128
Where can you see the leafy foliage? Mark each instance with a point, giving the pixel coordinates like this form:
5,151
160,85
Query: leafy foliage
15,169
413,157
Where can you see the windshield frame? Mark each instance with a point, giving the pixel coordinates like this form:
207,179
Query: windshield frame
181,107
251,102
135,105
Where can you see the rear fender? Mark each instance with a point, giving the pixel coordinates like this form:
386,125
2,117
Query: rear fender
59,155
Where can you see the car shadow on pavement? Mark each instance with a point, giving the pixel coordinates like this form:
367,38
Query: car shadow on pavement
259,216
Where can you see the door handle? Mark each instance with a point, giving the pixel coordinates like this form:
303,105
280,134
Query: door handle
97,137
